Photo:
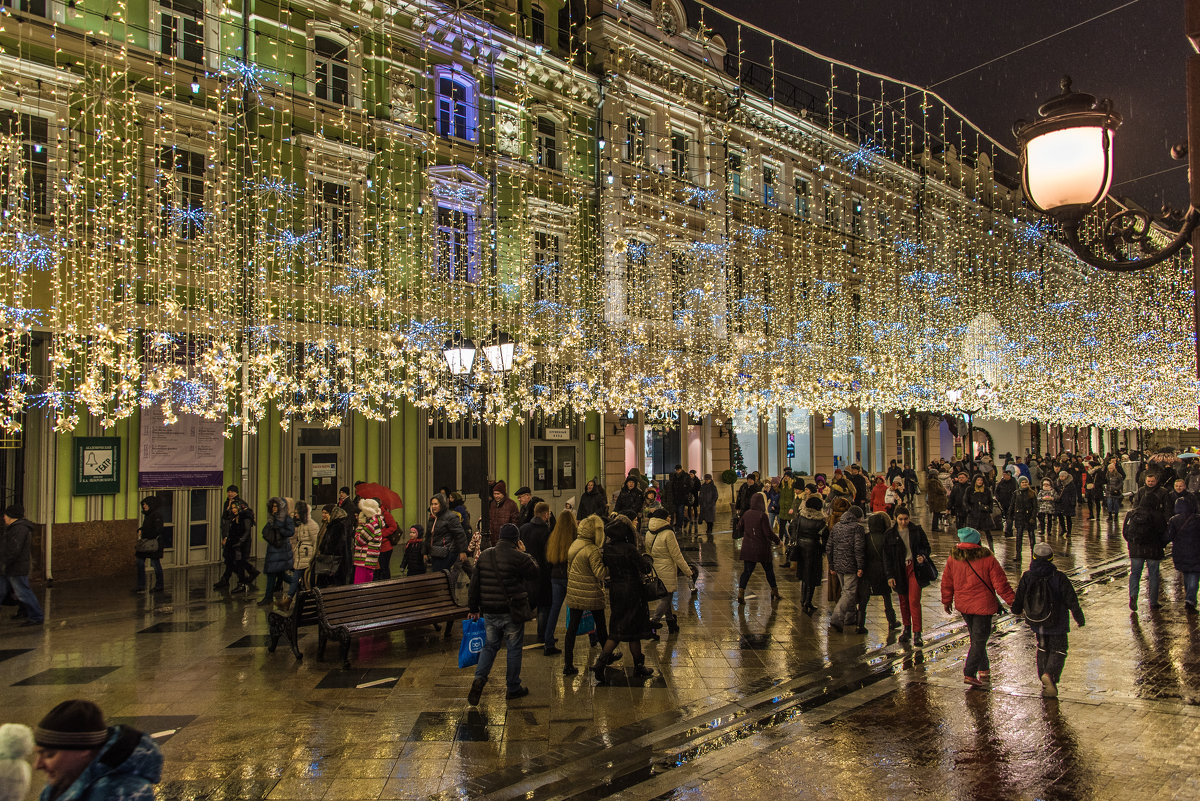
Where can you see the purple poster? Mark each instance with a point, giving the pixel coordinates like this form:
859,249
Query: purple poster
188,453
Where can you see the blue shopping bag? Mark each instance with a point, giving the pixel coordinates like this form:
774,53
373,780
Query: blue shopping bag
587,623
474,634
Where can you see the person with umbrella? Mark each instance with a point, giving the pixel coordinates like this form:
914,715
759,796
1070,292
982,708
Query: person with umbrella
390,535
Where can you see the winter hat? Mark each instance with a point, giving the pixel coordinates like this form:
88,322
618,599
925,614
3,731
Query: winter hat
1024,481
1063,474
232,488
968,534
370,506
814,503
852,514
15,510
660,514
524,491
419,529
510,532
16,745
1043,551
72,726
500,487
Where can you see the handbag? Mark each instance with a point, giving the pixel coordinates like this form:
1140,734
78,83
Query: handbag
925,572
999,602
653,588
327,564
587,623
833,588
145,547
474,634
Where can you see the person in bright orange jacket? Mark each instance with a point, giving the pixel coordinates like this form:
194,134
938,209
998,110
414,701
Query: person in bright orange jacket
970,583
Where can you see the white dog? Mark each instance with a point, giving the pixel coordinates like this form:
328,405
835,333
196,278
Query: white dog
16,745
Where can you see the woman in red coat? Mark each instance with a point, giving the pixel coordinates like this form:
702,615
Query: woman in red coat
970,583
757,539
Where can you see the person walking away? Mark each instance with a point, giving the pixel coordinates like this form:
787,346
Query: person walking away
367,536
810,534
1023,512
935,500
694,484
237,520
151,530
970,583
413,563
679,485
787,504
630,622
586,576
874,579
754,528
846,550
957,502
593,501
911,485
499,581
1006,487
16,563
1183,534
879,495
446,540
504,511
1047,508
708,503
1045,596
389,538
1068,499
663,548
905,546
85,759
304,547
1114,487
534,536
557,548
277,532
979,504
1145,533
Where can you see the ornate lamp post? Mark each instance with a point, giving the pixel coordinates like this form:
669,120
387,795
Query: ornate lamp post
977,399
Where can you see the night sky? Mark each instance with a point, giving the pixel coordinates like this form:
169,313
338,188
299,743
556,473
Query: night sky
1135,56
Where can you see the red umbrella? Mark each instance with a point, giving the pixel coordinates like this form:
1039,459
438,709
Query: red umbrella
386,497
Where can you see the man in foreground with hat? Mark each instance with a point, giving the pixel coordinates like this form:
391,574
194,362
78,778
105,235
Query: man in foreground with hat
1044,597
86,760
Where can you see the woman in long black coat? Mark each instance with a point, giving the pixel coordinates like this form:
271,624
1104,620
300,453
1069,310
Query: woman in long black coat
810,534
629,620
708,502
978,502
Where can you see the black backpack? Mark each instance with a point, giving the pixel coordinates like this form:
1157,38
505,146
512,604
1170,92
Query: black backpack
1039,600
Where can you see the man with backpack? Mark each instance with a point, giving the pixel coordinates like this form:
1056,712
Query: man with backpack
1044,597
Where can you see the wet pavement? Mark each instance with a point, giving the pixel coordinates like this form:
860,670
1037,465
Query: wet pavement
750,702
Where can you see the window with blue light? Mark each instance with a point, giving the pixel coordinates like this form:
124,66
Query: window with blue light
182,184
735,174
456,106
857,224
770,185
456,258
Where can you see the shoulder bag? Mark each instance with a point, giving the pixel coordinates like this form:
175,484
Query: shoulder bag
145,547
925,572
653,588
999,602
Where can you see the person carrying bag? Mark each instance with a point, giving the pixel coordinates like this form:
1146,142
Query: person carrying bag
971,582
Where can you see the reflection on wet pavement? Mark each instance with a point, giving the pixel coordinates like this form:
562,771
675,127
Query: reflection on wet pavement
752,701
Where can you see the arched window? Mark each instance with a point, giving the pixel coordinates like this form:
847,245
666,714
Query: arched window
332,67
456,112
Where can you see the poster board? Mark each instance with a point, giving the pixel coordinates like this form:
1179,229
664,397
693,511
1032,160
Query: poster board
188,453
97,466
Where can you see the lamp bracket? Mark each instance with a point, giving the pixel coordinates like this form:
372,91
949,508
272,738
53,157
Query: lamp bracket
1126,228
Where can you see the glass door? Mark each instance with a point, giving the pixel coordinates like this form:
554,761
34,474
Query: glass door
555,475
457,467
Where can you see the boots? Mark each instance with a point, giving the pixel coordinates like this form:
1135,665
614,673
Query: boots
741,595
673,625
775,596
639,667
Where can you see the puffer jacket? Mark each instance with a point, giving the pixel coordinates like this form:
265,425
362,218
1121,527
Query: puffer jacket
1145,530
972,580
586,572
1064,597
1024,505
448,531
757,535
304,543
502,570
663,547
846,548
128,766
277,532
1184,531
935,496
1114,482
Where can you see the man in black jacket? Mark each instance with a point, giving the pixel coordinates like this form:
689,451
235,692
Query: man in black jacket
534,536
856,478
1055,598
678,486
496,589
16,562
237,521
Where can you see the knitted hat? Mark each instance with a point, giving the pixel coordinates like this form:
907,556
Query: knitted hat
370,506
968,534
15,510
814,503
72,726
660,514
1023,480
510,532
1043,551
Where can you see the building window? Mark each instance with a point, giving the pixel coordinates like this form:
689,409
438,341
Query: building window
455,234
735,174
833,209
537,25
857,223
635,139
34,7
182,180
456,107
547,255
34,133
547,143
333,220
680,156
564,27
770,185
181,29
802,190
332,66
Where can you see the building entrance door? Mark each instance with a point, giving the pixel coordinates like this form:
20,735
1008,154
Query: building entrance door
319,465
456,465
556,474
909,445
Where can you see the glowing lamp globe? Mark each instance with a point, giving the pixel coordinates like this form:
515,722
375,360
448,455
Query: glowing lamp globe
1067,154
459,354
499,353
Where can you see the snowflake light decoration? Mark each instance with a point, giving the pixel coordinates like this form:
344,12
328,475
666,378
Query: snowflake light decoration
867,154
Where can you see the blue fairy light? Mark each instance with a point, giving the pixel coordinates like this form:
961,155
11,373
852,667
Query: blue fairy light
31,251
909,249
700,195
866,155
1034,233
276,187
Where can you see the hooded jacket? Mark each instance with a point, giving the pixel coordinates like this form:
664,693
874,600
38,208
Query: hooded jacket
846,548
502,512
593,501
972,580
237,518
663,547
536,534
152,525
447,531
757,535
331,539
16,548
586,572
278,532
127,768
875,570
630,499
1065,599
1184,531
935,496
304,543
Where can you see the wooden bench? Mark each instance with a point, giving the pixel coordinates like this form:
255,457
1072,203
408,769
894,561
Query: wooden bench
350,611
288,624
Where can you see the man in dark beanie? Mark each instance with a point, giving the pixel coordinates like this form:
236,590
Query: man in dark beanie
16,562
499,592
237,521
85,760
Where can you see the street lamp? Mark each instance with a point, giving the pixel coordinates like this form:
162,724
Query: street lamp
459,353
982,395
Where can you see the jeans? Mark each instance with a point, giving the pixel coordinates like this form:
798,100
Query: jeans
748,568
980,628
25,597
548,615
846,611
503,625
294,582
1135,578
1051,654
1113,502
1191,583
141,573
574,617
910,602
681,514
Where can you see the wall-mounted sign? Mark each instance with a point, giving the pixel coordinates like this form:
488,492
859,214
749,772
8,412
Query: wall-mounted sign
97,466
324,469
557,433
188,453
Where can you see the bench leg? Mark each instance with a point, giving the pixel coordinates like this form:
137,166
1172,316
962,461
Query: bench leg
449,624
346,654
276,631
292,631
322,638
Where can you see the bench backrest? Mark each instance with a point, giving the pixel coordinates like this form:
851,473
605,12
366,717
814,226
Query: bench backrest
305,608
384,599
